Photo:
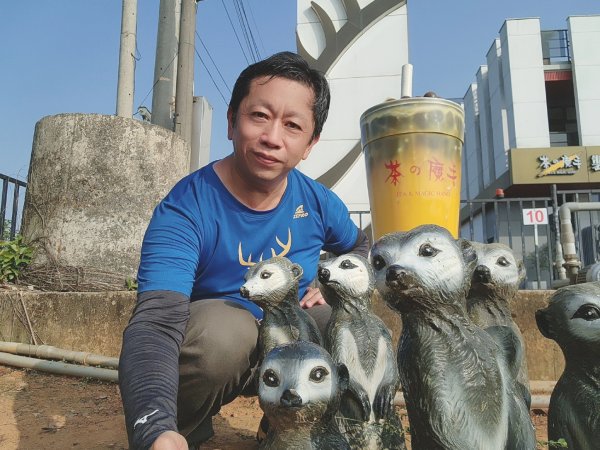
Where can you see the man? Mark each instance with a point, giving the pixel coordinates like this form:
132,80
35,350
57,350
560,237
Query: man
190,346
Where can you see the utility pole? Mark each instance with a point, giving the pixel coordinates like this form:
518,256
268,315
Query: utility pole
165,67
185,70
125,84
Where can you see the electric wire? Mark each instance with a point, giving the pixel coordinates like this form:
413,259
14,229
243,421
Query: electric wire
235,32
158,78
211,77
247,22
213,61
262,44
244,28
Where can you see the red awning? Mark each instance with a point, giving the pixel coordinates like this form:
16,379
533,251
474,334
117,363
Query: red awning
558,75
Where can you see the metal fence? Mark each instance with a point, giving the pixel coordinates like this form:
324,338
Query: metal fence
11,206
533,239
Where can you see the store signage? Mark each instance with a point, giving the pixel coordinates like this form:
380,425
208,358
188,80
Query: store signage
564,165
595,163
555,165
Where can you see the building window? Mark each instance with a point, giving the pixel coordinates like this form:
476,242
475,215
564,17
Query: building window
562,115
555,46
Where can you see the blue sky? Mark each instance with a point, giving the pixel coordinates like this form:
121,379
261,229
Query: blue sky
62,56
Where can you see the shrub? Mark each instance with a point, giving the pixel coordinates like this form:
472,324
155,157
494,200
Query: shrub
15,255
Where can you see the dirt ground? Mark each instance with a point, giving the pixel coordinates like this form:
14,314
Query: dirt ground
44,411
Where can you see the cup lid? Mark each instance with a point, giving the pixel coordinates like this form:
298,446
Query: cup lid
412,115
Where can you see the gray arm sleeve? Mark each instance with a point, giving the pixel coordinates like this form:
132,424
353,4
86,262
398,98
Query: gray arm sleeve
149,365
361,246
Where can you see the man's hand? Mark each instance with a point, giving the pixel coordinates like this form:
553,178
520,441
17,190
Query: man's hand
311,298
170,440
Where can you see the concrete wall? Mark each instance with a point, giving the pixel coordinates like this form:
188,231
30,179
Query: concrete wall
472,148
93,183
94,322
524,85
584,36
497,103
485,128
84,321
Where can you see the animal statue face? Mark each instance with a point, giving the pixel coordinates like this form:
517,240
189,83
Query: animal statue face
497,272
347,277
269,281
299,383
422,264
572,319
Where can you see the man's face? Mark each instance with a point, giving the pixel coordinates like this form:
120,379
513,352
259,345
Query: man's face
273,129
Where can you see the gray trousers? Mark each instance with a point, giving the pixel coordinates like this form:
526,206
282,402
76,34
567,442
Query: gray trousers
218,361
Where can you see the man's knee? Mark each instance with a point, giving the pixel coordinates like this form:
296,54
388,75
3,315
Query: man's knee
220,339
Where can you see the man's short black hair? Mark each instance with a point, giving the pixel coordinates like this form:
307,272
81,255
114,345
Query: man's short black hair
293,67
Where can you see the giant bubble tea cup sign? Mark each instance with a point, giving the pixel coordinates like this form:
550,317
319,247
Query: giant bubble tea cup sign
412,149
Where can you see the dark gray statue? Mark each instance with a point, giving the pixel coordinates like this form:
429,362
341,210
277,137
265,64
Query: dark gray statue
572,319
459,384
496,280
273,285
299,392
359,339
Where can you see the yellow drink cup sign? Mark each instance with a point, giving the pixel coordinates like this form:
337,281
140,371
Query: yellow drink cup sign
412,151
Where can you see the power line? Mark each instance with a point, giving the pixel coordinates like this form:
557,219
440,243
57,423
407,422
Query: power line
235,32
262,44
159,77
210,76
249,29
212,60
238,10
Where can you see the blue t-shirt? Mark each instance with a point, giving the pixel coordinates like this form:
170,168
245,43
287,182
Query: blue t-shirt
201,240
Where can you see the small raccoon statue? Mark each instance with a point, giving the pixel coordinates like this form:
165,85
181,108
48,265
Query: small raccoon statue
459,384
572,319
273,285
496,280
299,392
358,338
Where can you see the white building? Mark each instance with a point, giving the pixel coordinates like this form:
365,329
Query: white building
539,89
532,130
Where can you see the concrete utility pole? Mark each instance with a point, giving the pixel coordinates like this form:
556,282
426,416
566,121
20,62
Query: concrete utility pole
185,70
165,67
125,85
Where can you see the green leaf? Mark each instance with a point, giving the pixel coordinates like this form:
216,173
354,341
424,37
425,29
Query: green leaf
15,255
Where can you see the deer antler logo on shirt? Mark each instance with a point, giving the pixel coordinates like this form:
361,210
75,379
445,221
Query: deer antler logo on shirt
285,248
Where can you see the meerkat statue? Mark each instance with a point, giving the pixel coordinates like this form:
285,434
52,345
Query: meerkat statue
299,392
459,384
273,285
495,282
572,319
359,339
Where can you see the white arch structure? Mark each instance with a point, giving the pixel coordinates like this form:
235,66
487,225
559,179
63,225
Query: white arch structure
361,46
